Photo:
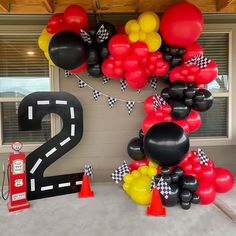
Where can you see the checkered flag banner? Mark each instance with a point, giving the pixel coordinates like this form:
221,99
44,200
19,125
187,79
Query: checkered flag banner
139,90
88,170
204,159
161,100
156,103
199,60
130,106
153,83
123,85
96,94
86,36
105,79
102,34
82,84
111,101
164,188
118,174
67,73
152,184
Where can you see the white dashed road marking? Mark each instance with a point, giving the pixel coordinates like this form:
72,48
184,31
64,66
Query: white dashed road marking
64,185
35,165
43,102
32,185
65,141
72,113
49,187
30,113
72,130
61,102
50,152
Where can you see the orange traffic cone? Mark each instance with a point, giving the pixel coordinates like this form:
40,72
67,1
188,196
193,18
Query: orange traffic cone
85,190
156,208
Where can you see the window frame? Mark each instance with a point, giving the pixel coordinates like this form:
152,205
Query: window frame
54,86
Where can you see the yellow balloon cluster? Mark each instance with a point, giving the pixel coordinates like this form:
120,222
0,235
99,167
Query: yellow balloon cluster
137,184
43,42
145,29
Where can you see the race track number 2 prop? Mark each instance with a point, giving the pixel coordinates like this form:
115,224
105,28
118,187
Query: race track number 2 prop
31,111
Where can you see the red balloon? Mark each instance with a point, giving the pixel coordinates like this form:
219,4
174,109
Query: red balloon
197,168
193,158
161,67
149,121
166,109
183,124
148,105
56,23
194,121
76,17
139,49
79,69
187,167
192,50
181,24
224,180
207,192
136,79
207,174
119,46
131,63
113,68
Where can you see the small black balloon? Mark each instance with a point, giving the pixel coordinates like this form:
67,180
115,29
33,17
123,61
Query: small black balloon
185,195
165,79
190,92
165,170
167,57
199,96
167,178
195,199
166,143
94,70
174,177
206,103
176,61
190,183
181,51
135,149
179,110
103,50
177,89
165,93
179,171
188,102
157,178
173,197
92,56
67,50
185,205
174,51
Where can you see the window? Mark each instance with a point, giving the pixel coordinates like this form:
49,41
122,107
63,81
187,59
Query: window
23,70
215,122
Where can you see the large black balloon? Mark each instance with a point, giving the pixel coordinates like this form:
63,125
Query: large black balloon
166,144
173,197
179,110
135,149
203,100
67,50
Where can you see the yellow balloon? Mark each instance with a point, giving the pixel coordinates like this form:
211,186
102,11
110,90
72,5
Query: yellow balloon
134,27
133,37
142,35
153,41
44,40
129,24
153,164
148,22
46,54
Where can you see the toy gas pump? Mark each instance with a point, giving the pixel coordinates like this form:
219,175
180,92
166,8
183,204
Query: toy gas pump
17,179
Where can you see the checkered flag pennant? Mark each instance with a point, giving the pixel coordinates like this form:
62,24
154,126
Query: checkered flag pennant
130,106
111,101
153,83
204,159
156,102
86,36
102,34
152,184
118,174
67,73
96,94
88,170
123,85
163,188
139,90
199,60
105,79
82,84
161,100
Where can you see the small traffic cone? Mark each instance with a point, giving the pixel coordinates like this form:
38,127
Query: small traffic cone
156,208
85,190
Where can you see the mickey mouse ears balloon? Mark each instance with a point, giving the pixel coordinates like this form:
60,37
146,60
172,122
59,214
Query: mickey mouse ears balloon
181,24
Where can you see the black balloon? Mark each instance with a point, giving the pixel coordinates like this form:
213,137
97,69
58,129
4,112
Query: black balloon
205,102
179,110
135,149
174,177
167,178
165,93
67,50
195,199
190,183
185,205
157,178
93,57
188,102
94,70
177,90
166,143
173,197
190,92
185,196
165,170
103,50
179,171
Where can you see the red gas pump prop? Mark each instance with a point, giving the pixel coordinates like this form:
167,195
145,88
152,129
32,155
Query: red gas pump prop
17,179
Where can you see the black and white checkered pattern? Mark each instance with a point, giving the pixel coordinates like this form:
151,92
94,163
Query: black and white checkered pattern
86,36
153,83
199,60
152,184
139,90
88,170
156,102
130,106
119,173
123,85
161,100
164,188
96,94
111,101
102,34
204,159
105,79
67,73
82,84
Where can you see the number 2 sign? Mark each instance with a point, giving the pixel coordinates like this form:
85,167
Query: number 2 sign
31,111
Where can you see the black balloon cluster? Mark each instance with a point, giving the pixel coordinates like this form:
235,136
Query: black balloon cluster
182,186
183,97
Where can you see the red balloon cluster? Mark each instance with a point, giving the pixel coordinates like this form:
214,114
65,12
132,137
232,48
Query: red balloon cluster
211,179
132,61
162,114
74,18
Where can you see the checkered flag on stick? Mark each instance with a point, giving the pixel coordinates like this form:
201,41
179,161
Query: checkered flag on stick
130,106
156,103
102,34
164,188
120,172
204,159
111,101
199,60
96,94
123,85
86,36
88,170
67,73
105,79
152,184
82,84
153,83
